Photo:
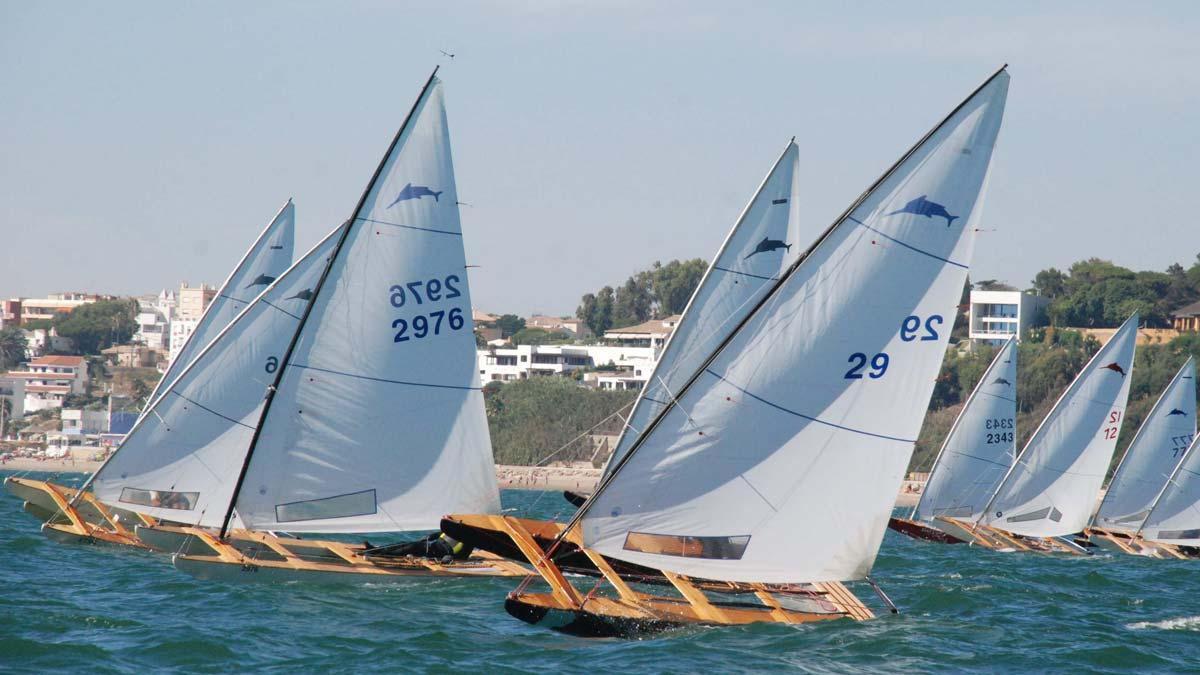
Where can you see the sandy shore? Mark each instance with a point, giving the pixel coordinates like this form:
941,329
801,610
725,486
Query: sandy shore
552,478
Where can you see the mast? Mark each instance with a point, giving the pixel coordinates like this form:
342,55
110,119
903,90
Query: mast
953,427
286,360
699,286
1017,462
1133,444
779,283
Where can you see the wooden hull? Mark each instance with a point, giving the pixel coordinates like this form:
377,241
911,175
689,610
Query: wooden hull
1115,541
633,611
921,531
1006,542
87,521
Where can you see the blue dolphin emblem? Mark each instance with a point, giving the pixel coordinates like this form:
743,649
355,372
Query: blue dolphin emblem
1176,411
305,294
411,191
261,280
767,245
923,207
1001,380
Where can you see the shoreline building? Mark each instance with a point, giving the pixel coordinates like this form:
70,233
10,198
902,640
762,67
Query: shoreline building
994,316
48,380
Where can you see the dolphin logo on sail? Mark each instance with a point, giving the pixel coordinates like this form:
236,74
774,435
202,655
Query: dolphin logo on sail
1116,368
305,294
924,207
1176,411
411,191
767,245
261,280
1001,380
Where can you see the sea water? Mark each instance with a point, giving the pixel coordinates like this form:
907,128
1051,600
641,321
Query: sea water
75,607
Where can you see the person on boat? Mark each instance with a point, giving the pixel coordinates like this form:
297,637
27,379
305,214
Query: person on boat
436,545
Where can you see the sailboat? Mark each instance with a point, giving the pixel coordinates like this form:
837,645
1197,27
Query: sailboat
373,417
1051,490
1172,528
767,476
268,256
977,452
1142,476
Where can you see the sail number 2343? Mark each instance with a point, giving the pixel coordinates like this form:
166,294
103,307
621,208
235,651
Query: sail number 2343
912,329
428,292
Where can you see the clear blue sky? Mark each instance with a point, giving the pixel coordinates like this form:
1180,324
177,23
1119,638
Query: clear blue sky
146,143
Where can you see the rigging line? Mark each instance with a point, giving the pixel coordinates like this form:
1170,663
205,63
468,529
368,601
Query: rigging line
588,431
679,404
908,246
271,304
207,409
809,417
745,274
409,227
383,379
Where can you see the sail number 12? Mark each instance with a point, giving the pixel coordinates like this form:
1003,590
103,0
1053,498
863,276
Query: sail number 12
911,329
427,292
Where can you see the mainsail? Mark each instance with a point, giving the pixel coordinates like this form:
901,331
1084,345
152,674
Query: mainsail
267,258
1175,518
1152,455
762,244
1052,488
780,456
180,461
980,447
377,420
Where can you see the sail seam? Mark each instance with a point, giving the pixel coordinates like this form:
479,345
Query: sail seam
908,246
982,459
807,417
747,274
206,408
382,379
409,227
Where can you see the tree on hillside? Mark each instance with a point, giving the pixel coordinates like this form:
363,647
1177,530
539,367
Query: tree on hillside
596,310
993,285
1050,283
631,304
672,284
12,347
99,325
509,324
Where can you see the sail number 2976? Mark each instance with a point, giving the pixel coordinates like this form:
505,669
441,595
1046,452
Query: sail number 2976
912,329
426,292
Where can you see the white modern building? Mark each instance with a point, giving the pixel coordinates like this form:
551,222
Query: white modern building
181,330
505,364
652,333
12,389
997,315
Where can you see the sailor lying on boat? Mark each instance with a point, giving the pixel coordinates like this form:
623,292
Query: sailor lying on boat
436,545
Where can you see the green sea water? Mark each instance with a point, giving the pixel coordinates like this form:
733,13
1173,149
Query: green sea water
82,608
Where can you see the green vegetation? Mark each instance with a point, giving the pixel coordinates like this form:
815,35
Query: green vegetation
658,292
12,347
98,325
509,324
1097,293
529,419
539,336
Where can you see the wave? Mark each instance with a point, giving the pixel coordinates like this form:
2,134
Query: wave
1181,623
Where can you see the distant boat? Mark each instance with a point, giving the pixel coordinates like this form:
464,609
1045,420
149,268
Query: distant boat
1050,491
1143,477
764,478
977,452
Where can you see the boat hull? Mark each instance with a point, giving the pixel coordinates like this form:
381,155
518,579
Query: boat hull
921,531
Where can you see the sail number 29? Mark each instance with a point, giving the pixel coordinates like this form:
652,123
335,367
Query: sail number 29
911,329
426,292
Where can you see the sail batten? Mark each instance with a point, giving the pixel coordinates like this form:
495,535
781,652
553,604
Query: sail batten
782,464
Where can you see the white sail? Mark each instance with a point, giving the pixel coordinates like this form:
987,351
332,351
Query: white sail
181,460
762,244
1052,489
378,420
1152,455
781,459
980,447
268,257
1175,519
